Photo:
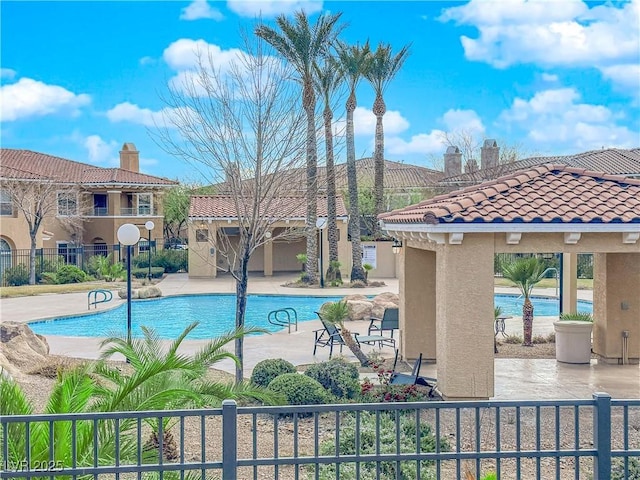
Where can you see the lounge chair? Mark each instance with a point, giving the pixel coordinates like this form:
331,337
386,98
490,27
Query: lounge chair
330,335
413,378
389,321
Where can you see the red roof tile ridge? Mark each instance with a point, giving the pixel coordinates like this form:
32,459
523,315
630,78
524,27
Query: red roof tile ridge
594,174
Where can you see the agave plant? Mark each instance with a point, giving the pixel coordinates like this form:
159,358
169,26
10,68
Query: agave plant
336,313
525,273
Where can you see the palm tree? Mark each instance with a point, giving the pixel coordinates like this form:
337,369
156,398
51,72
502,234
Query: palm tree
525,274
353,61
301,45
328,78
380,71
336,313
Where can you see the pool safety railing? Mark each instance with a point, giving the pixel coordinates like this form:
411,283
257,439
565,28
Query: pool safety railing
98,296
284,317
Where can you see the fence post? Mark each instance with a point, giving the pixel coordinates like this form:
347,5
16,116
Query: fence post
602,436
229,440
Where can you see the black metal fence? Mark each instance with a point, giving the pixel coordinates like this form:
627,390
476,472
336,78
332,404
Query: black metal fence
50,259
531,439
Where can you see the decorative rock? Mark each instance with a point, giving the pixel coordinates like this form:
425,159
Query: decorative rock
387,297
356,297
20,348
122,293
149,292
359,309
377,310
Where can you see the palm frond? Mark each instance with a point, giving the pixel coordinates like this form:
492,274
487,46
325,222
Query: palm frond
525,274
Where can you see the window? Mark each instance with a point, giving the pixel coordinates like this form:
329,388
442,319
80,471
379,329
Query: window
6,205
68,251
144,203
67,204
202,235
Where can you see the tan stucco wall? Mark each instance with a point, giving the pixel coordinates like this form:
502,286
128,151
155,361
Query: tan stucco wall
202,259
616,305
386,260
16,232
417,303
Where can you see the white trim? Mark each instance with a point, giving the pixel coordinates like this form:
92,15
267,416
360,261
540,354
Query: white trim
456,238
630,237
120,216
512,227
571,238
513,238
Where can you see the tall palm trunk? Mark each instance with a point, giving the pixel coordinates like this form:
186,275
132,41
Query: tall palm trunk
379,109
333,272
309,106
527,322
357,272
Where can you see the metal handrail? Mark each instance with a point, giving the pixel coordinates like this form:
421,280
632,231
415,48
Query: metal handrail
107,296
273,319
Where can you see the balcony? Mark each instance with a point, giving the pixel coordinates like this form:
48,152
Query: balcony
100,211
138,212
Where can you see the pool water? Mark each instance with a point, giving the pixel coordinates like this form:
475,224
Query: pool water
216,315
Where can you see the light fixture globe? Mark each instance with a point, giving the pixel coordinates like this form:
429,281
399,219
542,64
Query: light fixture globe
128,234
149,225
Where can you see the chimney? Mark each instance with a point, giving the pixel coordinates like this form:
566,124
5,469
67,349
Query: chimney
489,154
129,158
471,166
452,162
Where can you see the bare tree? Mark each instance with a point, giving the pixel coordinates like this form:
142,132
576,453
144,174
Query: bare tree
239,127
44,198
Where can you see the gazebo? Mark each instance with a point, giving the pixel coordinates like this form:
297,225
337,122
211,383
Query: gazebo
447,265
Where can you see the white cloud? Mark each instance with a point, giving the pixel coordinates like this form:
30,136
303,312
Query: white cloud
423,143
183,54
7,73
147,61
272,8
364,123
199,9
556,117
100,151
549,77
625,76
31,98
568,34
129,112
463,121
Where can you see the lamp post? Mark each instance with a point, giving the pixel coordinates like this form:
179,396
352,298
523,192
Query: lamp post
320,224
149,226
128,234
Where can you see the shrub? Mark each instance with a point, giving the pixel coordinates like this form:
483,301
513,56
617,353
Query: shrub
70,274
385,392
47,265
406,430
618,473
337,376
49,278
513,339
538,339
16,276
577,317
105,268
299,389
156,272
268,369
172,260
551,338
358,284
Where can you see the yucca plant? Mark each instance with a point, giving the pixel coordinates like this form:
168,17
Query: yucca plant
336,313
577,316
525,273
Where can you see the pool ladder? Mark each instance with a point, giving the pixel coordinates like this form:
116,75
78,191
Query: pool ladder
106,296
288,316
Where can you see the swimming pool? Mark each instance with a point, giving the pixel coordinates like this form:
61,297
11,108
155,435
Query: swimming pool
216,313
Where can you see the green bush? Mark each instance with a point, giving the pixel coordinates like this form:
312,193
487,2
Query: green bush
105,268
16,276
49,278
268,369
71,274
299,389
408,434
156,272
47,265
618,473
171,260
337,376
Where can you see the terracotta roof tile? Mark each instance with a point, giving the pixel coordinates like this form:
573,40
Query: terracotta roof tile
547,194
29,165
293,207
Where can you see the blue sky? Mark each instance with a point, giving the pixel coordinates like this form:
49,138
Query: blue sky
556,77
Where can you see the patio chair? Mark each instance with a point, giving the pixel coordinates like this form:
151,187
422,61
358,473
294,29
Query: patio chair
414,377
389,321
331,335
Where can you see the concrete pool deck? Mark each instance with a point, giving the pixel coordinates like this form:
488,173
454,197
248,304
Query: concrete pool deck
514,378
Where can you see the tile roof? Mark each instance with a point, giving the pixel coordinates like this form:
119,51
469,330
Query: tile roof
29,165
544,194
615,161
223,206
397,176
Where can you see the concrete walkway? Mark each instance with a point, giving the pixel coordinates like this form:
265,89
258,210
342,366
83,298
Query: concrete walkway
514,378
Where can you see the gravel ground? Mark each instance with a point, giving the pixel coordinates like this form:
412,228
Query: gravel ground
299,436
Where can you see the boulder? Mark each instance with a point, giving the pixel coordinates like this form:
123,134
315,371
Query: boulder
386,298
150,291
359,309
122,293
355,297
377,310
20,348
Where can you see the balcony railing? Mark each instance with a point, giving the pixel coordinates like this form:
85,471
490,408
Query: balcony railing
100,211
138,212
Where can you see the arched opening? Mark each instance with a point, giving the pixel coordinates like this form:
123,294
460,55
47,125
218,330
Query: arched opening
6,258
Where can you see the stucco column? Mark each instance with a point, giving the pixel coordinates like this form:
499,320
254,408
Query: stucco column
268,258
464,296
616,306
569,282
417,303
114,202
